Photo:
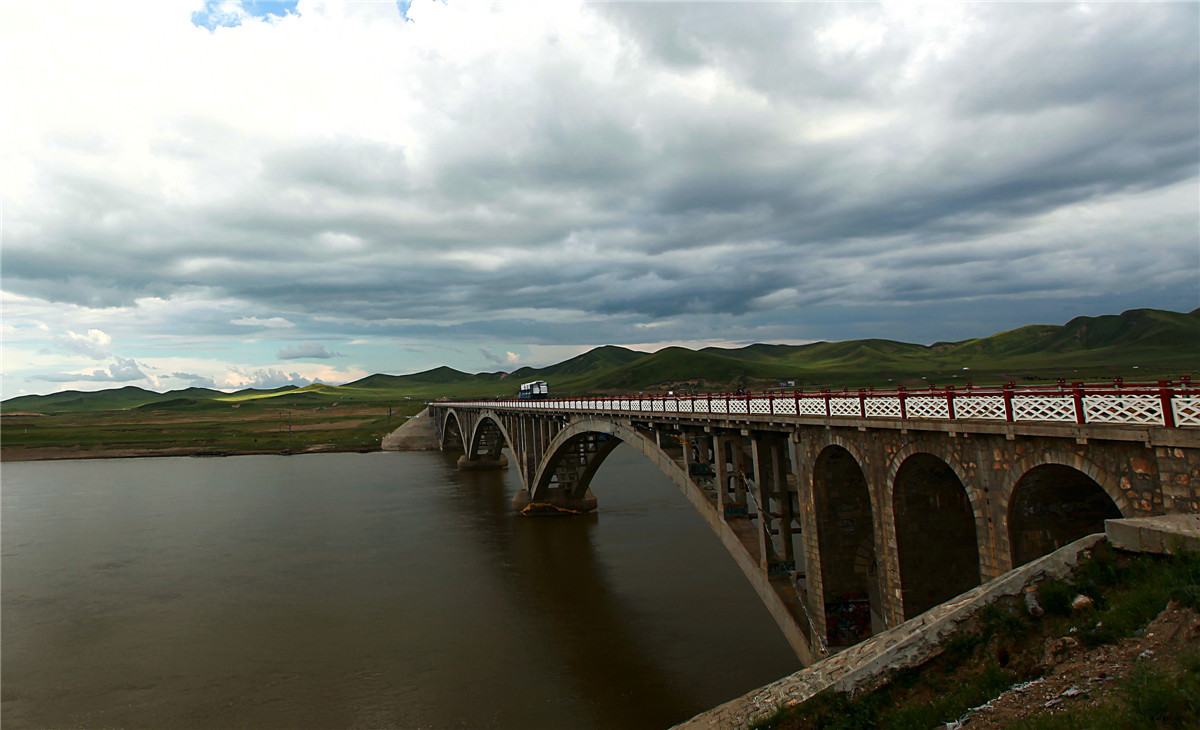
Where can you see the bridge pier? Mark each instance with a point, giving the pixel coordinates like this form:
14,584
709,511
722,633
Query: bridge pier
555,502
482,462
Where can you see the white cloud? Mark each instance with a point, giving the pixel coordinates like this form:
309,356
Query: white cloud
96,344
122,370
267,378
268,322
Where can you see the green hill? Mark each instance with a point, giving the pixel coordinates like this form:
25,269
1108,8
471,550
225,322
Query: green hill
1140,344
129,396
600,359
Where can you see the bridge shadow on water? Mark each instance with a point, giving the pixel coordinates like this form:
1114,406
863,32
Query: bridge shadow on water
553,568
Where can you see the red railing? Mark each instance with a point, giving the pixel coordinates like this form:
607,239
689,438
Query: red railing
1165,403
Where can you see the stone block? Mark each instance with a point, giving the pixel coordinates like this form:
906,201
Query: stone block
1161,534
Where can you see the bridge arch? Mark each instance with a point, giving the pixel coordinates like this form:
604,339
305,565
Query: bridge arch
937,531
845,510
488,436
1107,480
585,443
452,432
797,636
1053,498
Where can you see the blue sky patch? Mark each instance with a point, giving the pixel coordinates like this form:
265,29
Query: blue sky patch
229,13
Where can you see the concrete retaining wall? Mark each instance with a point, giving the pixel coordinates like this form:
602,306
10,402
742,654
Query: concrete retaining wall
908,645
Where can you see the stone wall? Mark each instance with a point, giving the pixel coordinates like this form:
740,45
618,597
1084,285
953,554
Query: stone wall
1139,480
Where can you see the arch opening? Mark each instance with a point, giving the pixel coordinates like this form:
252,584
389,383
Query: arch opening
846,538
563,484
489,440
1053,505
452,438
935,534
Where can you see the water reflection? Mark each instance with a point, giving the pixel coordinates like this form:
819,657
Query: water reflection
551,561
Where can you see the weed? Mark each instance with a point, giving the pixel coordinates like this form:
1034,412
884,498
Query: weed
1056,596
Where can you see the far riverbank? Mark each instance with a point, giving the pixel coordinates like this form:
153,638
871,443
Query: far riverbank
202,429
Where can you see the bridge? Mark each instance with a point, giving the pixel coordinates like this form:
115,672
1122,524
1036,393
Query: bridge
851,512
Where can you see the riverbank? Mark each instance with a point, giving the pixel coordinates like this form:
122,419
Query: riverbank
201,429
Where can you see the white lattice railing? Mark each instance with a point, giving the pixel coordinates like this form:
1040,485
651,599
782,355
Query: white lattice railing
1172,405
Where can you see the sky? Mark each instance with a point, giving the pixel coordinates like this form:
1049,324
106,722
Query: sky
234,194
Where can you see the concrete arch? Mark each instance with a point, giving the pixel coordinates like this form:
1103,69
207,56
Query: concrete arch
797,637
939,549
556,448
450,413
489,417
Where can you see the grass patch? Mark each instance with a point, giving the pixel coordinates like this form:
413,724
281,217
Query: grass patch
1129,593
1148,698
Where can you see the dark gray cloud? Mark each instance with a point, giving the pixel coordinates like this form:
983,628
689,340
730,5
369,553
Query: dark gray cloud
195,379
307,350
770,169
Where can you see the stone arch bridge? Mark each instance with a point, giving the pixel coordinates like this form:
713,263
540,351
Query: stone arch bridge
850,513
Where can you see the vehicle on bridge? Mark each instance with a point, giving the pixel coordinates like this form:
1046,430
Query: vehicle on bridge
534,390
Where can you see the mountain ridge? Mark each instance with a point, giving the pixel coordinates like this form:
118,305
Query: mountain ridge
1138,343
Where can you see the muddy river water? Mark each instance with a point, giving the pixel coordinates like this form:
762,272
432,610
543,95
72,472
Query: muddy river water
362,590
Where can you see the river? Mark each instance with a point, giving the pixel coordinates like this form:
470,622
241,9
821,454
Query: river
362,590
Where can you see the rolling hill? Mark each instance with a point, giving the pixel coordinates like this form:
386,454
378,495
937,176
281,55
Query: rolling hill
1140,344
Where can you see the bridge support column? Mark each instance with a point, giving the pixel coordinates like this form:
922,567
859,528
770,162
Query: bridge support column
761,461
721,470
740,474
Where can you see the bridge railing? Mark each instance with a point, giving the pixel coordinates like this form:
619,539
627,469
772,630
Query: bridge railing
1165,404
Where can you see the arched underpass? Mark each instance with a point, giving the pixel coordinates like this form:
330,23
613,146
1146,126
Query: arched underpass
846,538
1052,505
452,435
935,534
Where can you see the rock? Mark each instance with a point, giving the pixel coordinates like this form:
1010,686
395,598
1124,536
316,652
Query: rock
1057,650
1031,604
1082,603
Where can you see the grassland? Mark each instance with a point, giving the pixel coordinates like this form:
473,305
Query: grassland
1141,344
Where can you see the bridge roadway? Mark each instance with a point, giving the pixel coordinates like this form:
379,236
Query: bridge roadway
851,512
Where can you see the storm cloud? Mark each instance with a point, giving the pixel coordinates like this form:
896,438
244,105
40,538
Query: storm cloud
576,174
